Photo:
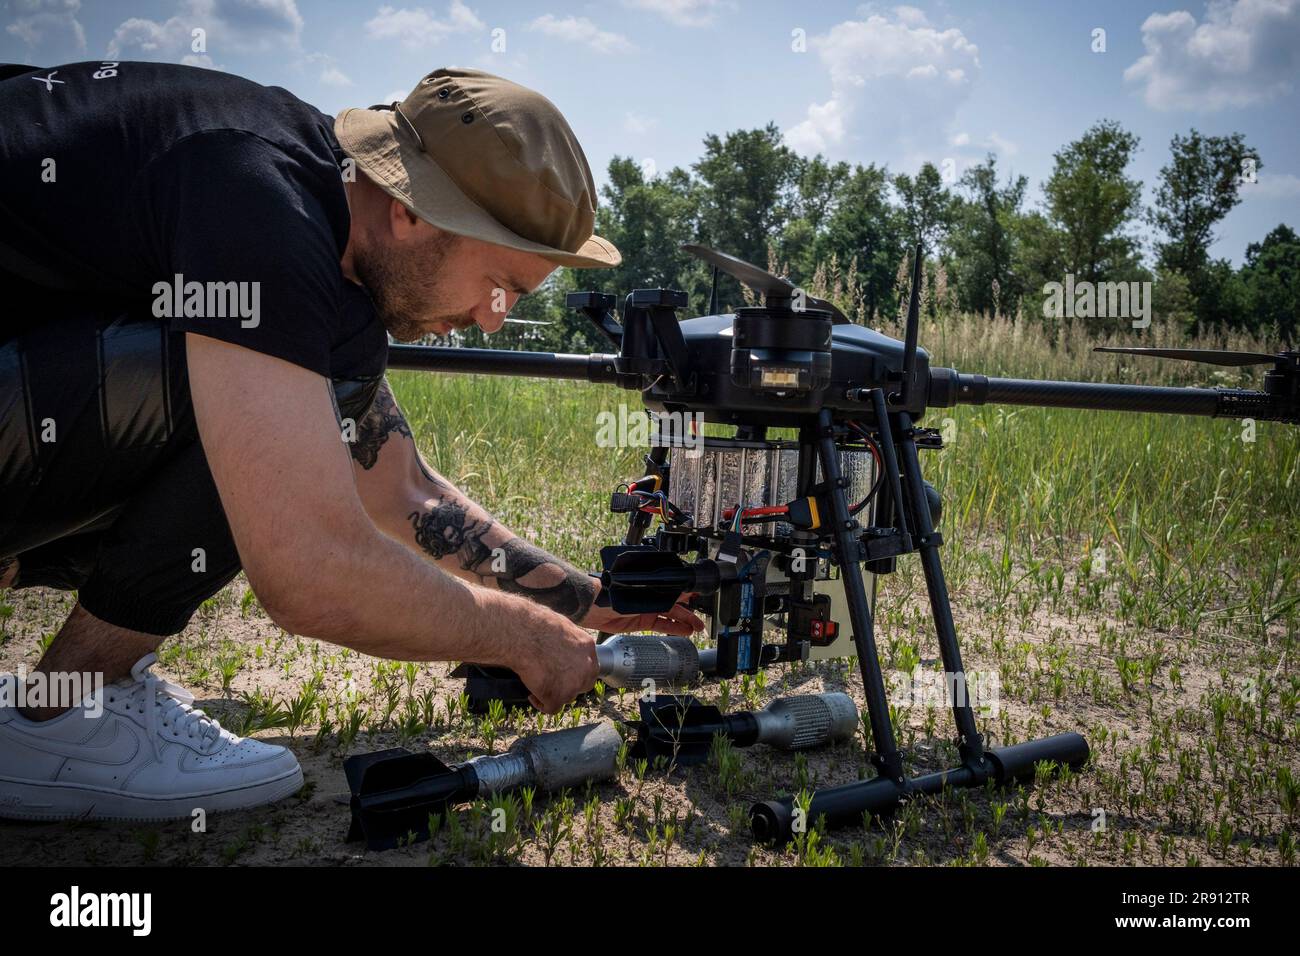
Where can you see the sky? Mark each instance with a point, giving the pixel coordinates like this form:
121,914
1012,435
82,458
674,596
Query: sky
946,82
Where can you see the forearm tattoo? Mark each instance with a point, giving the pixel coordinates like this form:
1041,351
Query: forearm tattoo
446,529
383,418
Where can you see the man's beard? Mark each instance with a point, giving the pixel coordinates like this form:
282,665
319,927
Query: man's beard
403,287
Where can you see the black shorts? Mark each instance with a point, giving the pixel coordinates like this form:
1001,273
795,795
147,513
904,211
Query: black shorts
104,487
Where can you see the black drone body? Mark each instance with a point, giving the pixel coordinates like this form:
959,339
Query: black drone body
789,533
722,392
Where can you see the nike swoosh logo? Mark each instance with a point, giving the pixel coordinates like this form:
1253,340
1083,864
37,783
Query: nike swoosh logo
122,748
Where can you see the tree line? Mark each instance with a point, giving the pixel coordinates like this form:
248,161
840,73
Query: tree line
848,229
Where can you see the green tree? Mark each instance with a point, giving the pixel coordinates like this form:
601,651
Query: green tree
1271,279
983,242
1092,203
746,183
863,235
819,186
928,208
1038,259
1200,185
648,220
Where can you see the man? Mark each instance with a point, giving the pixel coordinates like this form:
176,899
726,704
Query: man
198,272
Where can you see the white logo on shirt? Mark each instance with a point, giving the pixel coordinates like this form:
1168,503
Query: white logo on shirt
49,81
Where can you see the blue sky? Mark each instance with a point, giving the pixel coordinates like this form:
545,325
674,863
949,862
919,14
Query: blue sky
869,82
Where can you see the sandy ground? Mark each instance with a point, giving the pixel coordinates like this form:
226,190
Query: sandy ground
699,816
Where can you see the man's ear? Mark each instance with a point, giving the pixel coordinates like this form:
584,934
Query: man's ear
402,223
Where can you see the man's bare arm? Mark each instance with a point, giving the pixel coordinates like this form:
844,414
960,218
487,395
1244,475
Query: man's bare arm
421,509
316,560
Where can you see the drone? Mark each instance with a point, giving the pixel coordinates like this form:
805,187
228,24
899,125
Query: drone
780,540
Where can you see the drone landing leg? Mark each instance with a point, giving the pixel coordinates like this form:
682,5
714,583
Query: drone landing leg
927,541
886,758
778,821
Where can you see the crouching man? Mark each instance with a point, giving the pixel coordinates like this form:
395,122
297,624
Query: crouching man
196,309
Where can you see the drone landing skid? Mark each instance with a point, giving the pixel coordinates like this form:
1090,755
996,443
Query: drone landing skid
777,821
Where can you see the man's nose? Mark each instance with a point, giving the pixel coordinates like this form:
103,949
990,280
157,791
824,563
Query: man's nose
491,321
493,317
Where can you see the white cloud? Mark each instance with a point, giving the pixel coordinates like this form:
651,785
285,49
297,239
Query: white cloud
683,13
994,142
1272,186
44,23
894,79
333,76
330,74
1242,53
241,26
638,125
1001,145
417,27
581,30
912,16
201,60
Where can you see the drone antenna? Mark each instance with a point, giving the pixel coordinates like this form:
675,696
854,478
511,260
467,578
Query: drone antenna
713,294
913,330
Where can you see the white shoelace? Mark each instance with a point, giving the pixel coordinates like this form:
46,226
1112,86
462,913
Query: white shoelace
161,699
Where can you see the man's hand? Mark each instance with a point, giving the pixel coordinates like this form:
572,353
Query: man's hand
678,620
556,658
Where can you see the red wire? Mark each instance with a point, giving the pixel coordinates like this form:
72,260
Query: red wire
756,512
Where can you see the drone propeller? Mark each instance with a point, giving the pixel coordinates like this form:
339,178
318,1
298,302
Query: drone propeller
771,287
1204,356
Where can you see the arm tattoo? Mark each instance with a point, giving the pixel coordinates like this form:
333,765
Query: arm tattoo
446,529
383,418
572,596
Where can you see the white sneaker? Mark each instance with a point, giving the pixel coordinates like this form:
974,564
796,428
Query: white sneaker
137,750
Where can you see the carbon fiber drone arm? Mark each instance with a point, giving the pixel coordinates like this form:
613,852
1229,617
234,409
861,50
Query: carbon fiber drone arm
949,387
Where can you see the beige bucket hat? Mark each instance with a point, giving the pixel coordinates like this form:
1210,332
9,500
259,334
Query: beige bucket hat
479,156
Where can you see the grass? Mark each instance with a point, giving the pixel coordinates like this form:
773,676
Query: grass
1135,578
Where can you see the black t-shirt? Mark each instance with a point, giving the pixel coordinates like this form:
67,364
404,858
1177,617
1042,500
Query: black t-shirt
214,201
